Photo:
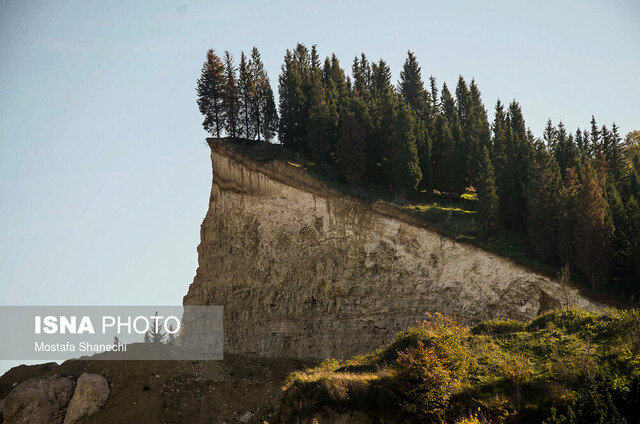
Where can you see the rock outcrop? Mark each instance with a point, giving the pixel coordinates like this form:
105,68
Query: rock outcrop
303,270
38,401
92,392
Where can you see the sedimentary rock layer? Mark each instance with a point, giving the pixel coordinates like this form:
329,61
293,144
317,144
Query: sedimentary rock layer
305,271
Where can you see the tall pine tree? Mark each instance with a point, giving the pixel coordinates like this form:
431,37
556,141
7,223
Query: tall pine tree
231,102
544,206
210,90
264,117
405,164
488,202
478,129
457,160
245,97
593,230
414,95
383,114
411,85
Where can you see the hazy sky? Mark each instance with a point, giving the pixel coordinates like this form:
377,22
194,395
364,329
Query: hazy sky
104,174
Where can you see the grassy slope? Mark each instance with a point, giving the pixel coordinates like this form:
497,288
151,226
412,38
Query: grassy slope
498,371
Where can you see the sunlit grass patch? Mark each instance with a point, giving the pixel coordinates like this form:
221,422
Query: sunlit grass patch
499,371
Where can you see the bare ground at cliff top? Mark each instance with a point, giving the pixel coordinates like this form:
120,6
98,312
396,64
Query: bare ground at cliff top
177,391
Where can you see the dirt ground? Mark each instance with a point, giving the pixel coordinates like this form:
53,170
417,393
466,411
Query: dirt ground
191,392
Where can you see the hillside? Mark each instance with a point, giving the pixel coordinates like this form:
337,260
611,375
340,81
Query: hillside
567,366
305,270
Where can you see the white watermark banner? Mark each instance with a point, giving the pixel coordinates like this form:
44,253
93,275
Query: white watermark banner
111,332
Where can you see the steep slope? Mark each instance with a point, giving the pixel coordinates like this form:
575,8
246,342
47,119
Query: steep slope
305,271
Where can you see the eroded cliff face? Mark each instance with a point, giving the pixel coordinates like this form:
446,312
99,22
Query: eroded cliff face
305,271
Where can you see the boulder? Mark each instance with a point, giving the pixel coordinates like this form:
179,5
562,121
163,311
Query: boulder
92,392
38,401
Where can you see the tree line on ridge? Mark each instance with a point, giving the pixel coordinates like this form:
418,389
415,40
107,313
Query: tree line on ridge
574,196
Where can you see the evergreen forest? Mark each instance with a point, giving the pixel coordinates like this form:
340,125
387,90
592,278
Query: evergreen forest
564,200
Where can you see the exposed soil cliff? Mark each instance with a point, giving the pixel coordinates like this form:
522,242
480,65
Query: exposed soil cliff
303,270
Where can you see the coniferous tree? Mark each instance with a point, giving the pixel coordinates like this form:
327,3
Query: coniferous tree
231,104
594,139
424,146
383,114
434,94
544,205
465,146
411,86
336,75
623,242
329,98
290,91
581,144
457,160
549,136
463,104
519,151
479,130
270,114
614,156
361,71
259,94
442,154
245,97
593,230
338,98
257,112
567,218
499,156
296,86
488,202
566,152
210,90
351,149
405,164
319,122
155,333
412,89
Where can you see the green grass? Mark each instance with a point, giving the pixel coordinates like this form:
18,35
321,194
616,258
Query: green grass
457,217
503,371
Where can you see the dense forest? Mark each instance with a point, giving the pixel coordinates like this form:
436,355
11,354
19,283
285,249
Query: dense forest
573,196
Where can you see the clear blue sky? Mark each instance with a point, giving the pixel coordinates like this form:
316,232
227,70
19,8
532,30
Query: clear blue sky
104,174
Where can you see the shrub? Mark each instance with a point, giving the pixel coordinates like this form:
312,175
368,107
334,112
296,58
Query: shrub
422,384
